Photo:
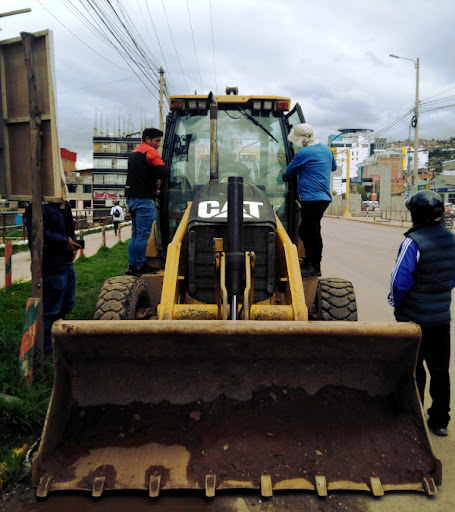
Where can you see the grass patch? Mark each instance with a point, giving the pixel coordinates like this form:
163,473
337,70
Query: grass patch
22,417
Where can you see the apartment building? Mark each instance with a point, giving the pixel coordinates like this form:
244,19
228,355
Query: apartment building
110,167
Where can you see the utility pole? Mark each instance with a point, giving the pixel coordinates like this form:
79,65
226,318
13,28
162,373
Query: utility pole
415,119
11,13
36,248
161,98
347,213
416,127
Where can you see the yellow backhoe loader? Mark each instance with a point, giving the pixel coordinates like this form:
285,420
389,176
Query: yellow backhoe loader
225,370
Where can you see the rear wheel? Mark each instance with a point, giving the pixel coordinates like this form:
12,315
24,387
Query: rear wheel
336,300
122,298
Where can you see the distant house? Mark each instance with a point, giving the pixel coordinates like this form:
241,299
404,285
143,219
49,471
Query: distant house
445,186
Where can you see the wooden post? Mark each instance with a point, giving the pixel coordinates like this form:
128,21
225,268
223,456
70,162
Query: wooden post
103,235
8,264
119,232
36,238
32,309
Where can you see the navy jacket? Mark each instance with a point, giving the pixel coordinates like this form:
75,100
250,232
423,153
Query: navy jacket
427,302
58,225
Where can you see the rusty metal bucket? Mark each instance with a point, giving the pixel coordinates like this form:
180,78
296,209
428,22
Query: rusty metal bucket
211,406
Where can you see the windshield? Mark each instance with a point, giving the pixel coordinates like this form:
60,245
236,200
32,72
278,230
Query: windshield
244,149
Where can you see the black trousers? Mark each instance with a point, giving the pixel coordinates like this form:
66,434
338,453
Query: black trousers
435,351
310,230
116,225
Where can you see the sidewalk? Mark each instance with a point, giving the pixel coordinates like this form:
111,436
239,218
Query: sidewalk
375,219
22,260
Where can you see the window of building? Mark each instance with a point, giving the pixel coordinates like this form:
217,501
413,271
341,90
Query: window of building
87,204
98,179
72,187
103,163
87,189
73,203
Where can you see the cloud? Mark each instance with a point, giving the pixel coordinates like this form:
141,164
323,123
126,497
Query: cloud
332,58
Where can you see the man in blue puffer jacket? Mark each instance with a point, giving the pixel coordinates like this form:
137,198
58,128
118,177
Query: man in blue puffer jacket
421,292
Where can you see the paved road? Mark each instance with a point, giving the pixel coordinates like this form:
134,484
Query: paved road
21,261
365,254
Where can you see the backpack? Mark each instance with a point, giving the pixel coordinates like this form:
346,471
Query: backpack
117,213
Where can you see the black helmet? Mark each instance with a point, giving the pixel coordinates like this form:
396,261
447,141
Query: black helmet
425,206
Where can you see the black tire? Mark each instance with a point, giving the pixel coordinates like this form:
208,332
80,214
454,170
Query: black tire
336,300
121,298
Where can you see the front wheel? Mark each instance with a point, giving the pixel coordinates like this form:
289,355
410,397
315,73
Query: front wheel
336,300
122,298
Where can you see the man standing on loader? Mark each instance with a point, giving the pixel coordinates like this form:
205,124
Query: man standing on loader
313,164
145,167
421,292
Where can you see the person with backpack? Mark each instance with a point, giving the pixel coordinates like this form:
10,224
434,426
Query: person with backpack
117,216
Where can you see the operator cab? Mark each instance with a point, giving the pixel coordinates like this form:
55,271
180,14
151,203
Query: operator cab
252,144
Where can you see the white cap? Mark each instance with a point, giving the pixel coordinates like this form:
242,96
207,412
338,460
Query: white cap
303,135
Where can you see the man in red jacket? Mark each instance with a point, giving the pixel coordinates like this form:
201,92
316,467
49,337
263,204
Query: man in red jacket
145,167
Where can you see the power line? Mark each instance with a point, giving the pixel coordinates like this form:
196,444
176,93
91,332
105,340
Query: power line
213,46
79,39
175,49
194,44
159,45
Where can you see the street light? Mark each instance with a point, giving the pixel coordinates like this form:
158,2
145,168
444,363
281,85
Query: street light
415,121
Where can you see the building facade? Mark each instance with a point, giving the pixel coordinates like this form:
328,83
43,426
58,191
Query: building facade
110,167
352,143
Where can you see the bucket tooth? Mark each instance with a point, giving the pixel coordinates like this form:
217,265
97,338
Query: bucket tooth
266,486
210,483
154,486
44,485
98,486
376,486
430,486
321,485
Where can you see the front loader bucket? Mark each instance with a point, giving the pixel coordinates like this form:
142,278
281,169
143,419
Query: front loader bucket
211,406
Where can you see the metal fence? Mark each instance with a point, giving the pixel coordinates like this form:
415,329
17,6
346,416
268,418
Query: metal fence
13,222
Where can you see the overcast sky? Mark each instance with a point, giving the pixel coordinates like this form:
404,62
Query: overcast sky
331,56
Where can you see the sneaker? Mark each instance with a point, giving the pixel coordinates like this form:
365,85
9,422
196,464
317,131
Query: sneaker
439,431
310,271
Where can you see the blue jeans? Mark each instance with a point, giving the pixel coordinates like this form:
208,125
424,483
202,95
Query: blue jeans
143,214
59,293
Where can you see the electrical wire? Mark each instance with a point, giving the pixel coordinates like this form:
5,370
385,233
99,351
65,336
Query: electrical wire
194,44
175,49
213,46
79,39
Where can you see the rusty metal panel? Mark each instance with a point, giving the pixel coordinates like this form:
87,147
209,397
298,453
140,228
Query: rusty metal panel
15,168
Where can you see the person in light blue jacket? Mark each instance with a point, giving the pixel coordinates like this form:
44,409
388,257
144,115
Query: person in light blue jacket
313,164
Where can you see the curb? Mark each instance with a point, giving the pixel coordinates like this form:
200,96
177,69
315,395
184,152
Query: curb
382,222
